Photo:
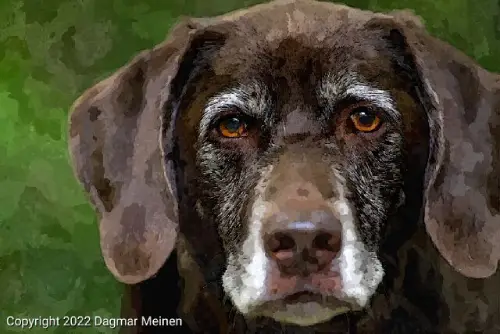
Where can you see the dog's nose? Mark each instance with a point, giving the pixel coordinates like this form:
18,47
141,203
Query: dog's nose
304,247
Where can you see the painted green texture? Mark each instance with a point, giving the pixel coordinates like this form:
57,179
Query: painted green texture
50,51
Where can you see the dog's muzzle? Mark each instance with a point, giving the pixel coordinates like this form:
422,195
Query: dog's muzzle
302,261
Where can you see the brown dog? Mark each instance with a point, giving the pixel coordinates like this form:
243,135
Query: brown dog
313,168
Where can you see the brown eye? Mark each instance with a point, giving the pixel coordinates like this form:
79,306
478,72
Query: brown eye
365,120
232,127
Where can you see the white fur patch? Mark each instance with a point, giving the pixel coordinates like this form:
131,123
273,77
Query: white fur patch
246,274
378,97
361,272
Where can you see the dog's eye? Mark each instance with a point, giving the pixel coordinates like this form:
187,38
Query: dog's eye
365,120
232,127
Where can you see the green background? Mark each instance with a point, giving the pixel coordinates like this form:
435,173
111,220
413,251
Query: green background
50,51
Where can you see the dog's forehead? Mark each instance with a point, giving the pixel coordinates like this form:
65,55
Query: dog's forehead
298,17
298,39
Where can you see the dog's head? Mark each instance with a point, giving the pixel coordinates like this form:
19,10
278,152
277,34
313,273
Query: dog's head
294,136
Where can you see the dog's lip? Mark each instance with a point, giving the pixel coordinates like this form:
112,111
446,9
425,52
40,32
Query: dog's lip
335,304
303,297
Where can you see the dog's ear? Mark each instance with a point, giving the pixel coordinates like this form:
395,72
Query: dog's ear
462,101
114,144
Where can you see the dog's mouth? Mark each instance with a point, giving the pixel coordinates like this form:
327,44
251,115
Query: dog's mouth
309,297
304,297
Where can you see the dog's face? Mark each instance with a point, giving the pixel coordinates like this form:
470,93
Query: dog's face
296,139
301,149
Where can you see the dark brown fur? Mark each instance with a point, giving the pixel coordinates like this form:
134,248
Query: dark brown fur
449,255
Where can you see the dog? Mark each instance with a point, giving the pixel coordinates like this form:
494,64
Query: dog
299,167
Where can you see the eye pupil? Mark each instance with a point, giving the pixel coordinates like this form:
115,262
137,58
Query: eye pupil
232,124
366,118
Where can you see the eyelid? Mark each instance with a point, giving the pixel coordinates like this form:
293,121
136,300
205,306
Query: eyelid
229,113
371,108
379,112
349,103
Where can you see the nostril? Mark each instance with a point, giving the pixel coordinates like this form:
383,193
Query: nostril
326,241
283,242
281,245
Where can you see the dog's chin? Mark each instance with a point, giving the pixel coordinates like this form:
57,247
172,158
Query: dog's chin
303,310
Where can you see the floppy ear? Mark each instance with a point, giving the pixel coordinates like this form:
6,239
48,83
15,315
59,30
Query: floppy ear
114,145
462,101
